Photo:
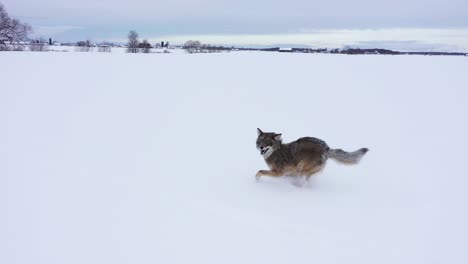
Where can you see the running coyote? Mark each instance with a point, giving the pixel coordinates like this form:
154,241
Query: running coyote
303,157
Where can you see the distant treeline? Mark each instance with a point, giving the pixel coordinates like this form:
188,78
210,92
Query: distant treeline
356,51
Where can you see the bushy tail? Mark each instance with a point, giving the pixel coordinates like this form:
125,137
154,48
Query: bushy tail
347,157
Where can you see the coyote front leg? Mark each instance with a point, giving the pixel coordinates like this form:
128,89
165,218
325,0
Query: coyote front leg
271,173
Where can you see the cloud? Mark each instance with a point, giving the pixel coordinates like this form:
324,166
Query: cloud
53,30
261,15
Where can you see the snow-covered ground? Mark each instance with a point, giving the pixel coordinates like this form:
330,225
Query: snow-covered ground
136,158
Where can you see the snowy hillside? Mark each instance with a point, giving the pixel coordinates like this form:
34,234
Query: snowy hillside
122,158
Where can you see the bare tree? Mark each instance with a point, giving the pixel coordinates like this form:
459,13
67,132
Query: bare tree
81,43
38,45
105,47
12,31
192,46
132,46
145,46
84,46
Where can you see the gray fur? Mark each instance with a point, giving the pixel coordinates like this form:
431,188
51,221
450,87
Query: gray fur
347,157
303,157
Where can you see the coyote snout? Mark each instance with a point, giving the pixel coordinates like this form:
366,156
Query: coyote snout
303,157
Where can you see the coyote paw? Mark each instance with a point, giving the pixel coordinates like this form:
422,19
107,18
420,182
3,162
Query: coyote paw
297,184
299,181
258,175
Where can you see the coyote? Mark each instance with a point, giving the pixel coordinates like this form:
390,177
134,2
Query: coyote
303,157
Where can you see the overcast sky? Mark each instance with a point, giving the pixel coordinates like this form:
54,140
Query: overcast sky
68,20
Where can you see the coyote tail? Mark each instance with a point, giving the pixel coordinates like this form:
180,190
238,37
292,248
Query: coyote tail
347,157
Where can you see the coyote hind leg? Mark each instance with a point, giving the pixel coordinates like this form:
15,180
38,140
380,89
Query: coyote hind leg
312,171
270,173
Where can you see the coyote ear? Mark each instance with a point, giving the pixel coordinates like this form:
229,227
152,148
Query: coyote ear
278,137
259,132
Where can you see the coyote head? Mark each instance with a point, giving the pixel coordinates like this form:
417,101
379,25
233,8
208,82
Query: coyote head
267,142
